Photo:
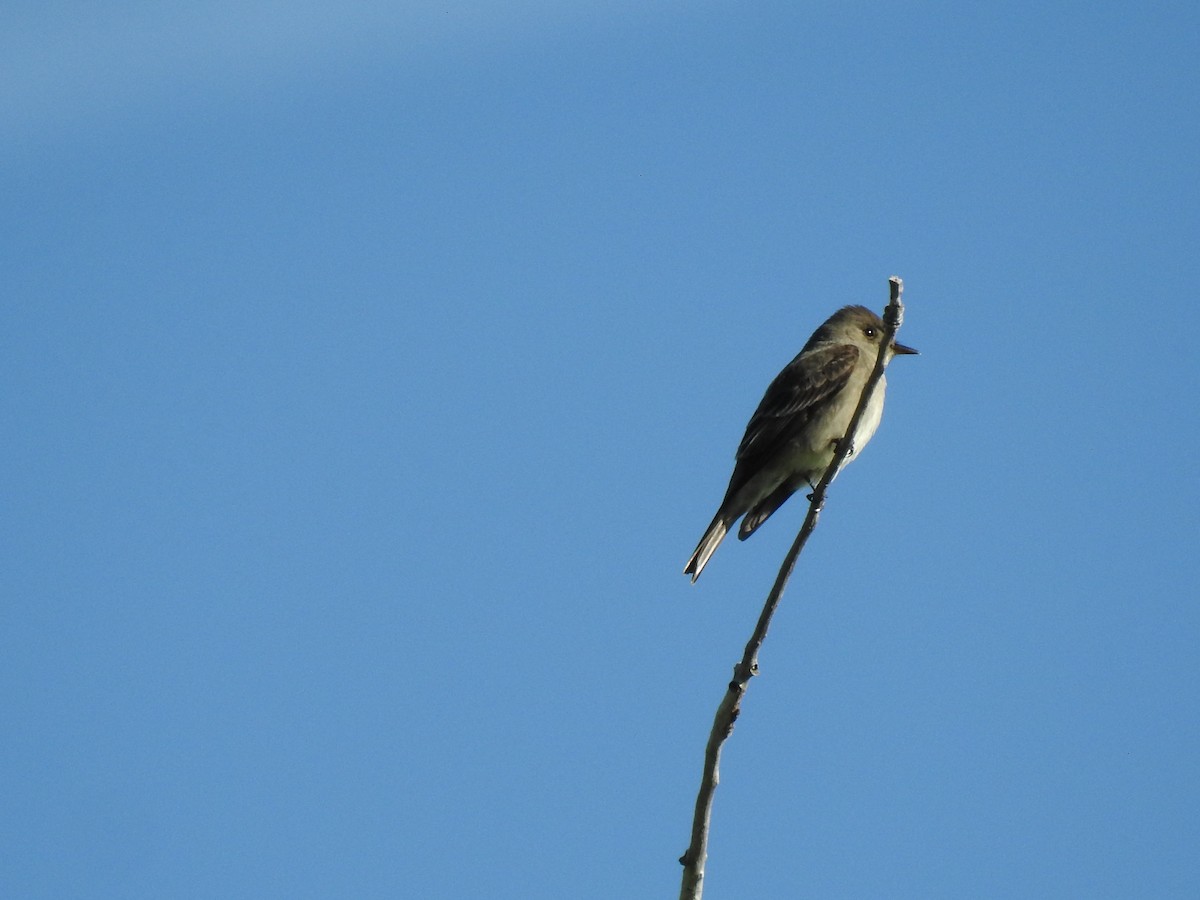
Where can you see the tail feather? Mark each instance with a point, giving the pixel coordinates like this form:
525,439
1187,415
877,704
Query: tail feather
766,507
707,546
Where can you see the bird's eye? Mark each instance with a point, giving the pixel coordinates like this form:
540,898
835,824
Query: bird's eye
869,332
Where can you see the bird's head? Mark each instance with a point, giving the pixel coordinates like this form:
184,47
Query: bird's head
859,326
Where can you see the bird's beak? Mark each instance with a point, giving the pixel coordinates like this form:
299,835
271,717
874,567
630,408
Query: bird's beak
901,350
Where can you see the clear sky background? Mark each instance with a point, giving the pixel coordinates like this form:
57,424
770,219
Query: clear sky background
370,371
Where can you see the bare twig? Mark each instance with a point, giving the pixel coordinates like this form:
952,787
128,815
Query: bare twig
729,708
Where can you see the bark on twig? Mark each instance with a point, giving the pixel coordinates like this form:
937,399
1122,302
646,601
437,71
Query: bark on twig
727,711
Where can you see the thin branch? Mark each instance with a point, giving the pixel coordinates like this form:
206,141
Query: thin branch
730,706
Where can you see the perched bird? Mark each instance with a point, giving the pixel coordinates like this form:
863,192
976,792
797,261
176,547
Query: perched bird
793,434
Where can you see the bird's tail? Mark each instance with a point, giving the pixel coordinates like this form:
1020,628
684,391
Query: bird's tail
707,546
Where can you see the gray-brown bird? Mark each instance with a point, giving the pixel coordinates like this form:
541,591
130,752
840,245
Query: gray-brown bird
793,434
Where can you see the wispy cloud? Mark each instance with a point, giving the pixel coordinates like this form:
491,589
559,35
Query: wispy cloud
62,70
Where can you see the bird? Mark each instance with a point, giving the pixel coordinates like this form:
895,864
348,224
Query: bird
793,435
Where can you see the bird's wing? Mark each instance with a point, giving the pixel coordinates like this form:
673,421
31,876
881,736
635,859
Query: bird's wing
804,383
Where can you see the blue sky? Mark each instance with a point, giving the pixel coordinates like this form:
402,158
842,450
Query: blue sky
370,374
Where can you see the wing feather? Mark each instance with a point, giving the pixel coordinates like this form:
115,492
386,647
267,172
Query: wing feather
805,382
